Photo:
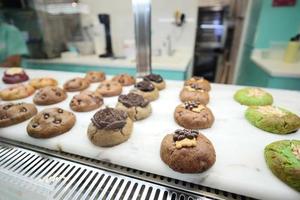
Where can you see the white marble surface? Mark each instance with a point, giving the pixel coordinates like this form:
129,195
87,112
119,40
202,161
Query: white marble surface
239,167
274,65
178,62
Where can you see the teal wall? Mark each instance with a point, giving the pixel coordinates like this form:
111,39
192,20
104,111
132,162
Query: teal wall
277,24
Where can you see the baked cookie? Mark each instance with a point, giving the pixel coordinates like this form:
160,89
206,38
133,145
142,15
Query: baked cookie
38,83
273,119
86,101
192,115
134,105
109,127
194,93
124,79
76,84
50,123
14,75
14,113
156,80
94,76
110,88
146,89
200,82
253,97
49,95
187,151
283,159
18,91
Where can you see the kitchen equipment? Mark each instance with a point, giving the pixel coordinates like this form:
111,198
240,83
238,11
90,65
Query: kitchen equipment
240,165
105,20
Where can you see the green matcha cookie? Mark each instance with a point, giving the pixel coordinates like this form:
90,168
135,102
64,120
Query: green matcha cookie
253,97
283,158
273,119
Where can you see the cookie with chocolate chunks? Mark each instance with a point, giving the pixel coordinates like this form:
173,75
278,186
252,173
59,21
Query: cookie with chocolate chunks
18,91
193,115
15,113
187,151
146,89
124,79
94,76
49,95
194,93
76,84
109,127
86,101
50,123
157,80
110,88
199,81
134,105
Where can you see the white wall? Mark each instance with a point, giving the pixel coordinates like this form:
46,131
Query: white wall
122,26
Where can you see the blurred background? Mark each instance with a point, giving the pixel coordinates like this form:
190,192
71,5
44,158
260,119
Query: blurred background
249,42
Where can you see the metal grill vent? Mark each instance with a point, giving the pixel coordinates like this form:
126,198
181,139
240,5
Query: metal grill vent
49,177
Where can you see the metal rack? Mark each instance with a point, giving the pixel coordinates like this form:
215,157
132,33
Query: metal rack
69,176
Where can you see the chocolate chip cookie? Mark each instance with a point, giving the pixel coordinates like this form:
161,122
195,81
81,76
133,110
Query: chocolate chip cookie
110,88
253,97
50,123
94,76
146,89
18,91
200,82
273,119
14,75
187,151
283,159
86,101
156,80
124,79
76,84
49,95
134,105
38,83
109,127
194,93
14,113
193,115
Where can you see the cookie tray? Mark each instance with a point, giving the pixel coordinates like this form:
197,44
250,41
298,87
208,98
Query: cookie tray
240,167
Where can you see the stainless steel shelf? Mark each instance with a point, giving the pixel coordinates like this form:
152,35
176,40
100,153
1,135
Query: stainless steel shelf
69,176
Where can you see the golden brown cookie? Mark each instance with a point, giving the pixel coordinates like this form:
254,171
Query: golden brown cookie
110,88
192,115
86,101
124,79
76,84
109,127
200,82
156,80
193,93
50,123
146,89
49,95
18,91
14,113
187,151
94,76
38,83
135,106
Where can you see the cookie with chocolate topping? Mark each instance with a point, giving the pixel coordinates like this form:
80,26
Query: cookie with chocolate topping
199,81
187,151
109,127
194,93
146,89
50,122
124,79
193,115
156,80
134,105
109,88
283,159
